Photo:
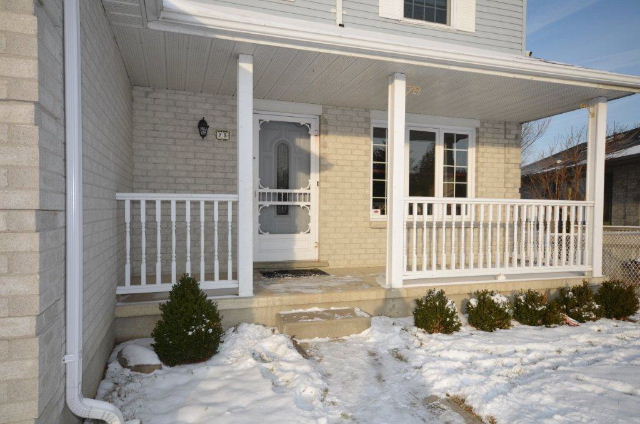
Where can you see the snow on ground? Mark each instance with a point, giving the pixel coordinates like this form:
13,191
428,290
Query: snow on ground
586,374
257,377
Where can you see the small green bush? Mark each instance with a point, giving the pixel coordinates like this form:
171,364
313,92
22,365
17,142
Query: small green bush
617,299
578,302
435,313
489,311
532,308
189,329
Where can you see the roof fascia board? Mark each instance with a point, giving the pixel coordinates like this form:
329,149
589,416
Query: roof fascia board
186,16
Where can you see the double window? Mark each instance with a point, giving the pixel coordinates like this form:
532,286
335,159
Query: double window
437,161
427,10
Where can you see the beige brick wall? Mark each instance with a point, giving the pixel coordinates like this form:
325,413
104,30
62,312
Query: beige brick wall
166,141
348,237
32,202
498,160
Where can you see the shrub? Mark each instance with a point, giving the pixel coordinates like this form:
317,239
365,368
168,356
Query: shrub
617,299
578,303
189,329
489,311
435,313
532,308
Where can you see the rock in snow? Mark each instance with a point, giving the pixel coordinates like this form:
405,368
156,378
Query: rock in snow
139,359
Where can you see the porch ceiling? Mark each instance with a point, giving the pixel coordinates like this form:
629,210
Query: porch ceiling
200,64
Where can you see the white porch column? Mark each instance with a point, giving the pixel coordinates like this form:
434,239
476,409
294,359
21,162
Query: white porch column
244,99
395,180
595,178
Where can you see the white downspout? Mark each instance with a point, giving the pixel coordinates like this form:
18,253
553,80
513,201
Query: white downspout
83,407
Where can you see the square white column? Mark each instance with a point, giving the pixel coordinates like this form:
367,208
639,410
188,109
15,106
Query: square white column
396,180
244,99
594,189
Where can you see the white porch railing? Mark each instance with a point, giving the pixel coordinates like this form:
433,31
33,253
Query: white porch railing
155,220
446,237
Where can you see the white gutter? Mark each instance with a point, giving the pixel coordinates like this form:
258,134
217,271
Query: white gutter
79,405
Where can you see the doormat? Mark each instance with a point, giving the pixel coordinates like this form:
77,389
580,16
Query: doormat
290,273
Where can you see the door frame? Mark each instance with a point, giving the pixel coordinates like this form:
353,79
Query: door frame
314,175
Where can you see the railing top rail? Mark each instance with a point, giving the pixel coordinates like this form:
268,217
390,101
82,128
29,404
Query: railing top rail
459,200
284,190
176,196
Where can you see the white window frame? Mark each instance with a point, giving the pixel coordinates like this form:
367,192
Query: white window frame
429,23
440,130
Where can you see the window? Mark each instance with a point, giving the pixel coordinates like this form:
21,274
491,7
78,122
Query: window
438,165
282,173
427,10
379,172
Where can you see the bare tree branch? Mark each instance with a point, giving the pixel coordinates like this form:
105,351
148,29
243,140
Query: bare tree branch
531,133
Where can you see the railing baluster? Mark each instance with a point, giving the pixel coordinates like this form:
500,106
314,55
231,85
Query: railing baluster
143,241
540,224
514,260
173,242
216,261
489,238
443,214
556,218
531,217
498,237
202,276
580,248
523,235
506,236
414,237
572,222
463,216
454,257
547,244
434,237
127,235
424,236
565,250
229,242
481,238
187,220
158,242
472,236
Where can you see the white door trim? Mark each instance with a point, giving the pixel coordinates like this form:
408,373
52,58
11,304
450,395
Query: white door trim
314,174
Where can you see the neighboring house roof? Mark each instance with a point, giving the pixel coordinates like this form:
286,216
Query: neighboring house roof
620,146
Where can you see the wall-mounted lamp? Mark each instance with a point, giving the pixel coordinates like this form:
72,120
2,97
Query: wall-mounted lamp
203,127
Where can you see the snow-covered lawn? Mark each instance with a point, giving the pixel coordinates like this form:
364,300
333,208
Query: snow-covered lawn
586,374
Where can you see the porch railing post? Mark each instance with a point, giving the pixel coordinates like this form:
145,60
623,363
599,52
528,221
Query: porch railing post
396,180
595,179
245,175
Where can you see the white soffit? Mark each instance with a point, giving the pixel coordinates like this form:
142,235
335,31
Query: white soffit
179,61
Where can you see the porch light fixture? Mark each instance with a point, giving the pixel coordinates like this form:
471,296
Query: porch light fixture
203,127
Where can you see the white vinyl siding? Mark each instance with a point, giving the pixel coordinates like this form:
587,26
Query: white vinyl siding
499,24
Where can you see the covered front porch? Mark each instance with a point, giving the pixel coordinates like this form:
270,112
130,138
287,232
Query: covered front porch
200,208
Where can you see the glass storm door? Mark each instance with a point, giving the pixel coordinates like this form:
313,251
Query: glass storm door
287,188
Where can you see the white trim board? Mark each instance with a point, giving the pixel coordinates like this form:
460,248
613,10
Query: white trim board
380,116
277,106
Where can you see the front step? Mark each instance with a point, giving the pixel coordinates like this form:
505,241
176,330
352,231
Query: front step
283,265
317,322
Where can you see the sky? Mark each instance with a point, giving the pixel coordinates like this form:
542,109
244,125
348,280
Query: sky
598,34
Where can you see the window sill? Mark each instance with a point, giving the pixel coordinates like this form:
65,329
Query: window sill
434,25
378,223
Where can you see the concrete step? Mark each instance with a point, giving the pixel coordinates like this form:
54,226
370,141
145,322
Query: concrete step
320,322
289,265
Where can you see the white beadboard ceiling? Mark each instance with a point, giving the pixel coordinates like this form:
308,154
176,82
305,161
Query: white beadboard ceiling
197,64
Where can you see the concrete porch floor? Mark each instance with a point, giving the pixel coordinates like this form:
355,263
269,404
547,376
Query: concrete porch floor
137,314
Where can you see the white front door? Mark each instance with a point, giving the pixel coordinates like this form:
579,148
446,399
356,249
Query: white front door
286,222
